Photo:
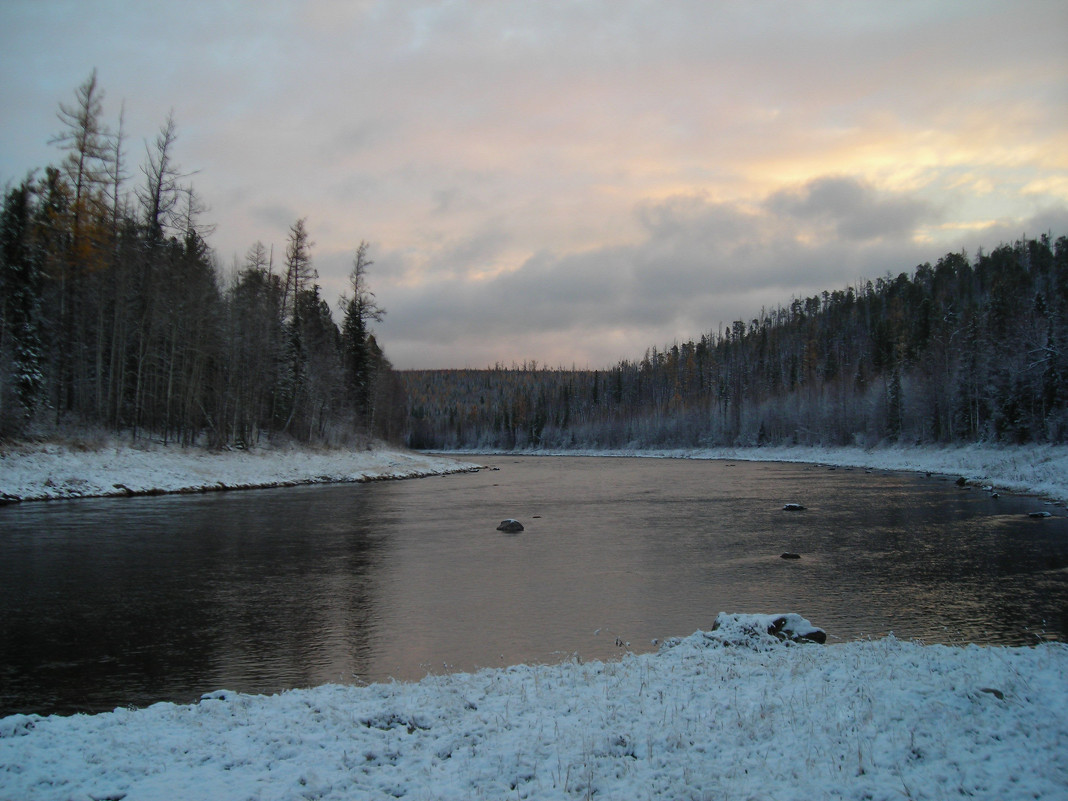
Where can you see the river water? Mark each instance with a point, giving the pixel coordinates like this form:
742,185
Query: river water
124,602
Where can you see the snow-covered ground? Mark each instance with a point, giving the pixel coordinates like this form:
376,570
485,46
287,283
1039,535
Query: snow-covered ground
700,720
1031,469
47,472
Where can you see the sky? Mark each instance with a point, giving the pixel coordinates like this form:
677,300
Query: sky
571,183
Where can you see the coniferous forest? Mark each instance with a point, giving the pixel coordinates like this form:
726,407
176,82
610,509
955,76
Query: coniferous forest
115,314
960,351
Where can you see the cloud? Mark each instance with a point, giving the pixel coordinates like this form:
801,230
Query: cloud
699,263
851,208
574,181
277,216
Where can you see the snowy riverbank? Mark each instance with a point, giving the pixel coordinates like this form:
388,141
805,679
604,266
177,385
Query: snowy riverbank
1031,469
884,719
49,472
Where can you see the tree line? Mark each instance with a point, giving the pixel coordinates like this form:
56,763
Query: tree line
115,313
963,350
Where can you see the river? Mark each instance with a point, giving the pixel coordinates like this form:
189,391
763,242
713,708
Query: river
129,601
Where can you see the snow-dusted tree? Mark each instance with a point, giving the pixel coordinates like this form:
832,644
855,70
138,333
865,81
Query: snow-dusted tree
321,394
76,270
358,356
21,352
299,273
254,347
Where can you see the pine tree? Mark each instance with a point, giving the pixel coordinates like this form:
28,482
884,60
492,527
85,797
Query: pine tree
298,264
358,357
299,273
894,406
20,288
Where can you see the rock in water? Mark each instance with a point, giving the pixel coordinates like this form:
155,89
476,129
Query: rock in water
789,555
510,526
793,507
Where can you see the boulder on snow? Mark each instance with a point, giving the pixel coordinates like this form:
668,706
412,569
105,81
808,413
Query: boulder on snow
786,627
510,526
757,632
748,629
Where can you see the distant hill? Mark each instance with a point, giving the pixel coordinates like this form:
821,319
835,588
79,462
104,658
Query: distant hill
963,350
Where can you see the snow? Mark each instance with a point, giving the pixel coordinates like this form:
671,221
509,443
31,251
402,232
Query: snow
732,712
50,472
882,719
1029,469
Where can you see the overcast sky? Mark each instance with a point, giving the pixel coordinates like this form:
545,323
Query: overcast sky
574,182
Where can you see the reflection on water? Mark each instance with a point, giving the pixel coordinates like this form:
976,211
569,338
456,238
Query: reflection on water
129,601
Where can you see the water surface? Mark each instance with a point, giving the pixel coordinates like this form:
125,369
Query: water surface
110,602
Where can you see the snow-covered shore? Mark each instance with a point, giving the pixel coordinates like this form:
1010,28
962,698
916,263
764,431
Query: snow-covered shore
863,720
1030,469
50,472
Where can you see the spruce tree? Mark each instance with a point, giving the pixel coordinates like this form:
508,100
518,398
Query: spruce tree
358,357
20,288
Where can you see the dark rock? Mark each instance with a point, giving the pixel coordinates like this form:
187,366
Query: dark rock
793,507
510,526
961,481
1039,514
818,636
779,630
789,555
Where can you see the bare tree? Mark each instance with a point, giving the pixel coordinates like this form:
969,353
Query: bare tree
87,142
162,190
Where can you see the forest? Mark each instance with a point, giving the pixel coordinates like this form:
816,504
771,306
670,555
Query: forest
964,350
116,316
